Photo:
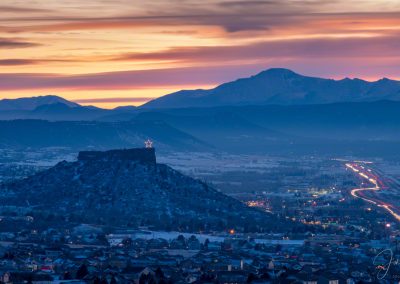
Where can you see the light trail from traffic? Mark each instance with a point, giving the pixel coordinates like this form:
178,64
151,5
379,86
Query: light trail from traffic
378,185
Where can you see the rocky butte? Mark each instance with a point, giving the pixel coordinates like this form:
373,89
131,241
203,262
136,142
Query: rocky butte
128,188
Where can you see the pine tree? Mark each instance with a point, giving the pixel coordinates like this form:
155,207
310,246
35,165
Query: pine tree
82,272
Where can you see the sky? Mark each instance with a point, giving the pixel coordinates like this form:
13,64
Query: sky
126,52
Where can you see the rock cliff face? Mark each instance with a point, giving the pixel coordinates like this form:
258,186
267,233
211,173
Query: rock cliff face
142,155
128,188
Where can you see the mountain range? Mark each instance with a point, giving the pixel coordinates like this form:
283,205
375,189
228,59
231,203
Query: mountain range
128,188
276,86
29,104
283,87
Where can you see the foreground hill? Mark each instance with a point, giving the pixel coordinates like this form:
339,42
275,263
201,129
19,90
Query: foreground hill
367,121
223,129
100,135
370,128
128,187
284,87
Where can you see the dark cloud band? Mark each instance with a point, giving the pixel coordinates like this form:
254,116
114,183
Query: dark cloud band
12,43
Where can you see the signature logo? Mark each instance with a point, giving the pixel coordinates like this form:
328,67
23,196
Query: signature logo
383,261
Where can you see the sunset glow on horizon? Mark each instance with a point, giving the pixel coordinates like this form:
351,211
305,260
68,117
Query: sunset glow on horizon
123,52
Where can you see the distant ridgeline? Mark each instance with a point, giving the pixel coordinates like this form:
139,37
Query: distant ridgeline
143,155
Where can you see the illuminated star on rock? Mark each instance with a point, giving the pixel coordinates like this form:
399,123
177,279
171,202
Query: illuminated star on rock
148,143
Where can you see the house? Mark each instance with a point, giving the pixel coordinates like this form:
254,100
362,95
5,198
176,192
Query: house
231,277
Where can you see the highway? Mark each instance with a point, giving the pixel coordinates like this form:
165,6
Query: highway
370,177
